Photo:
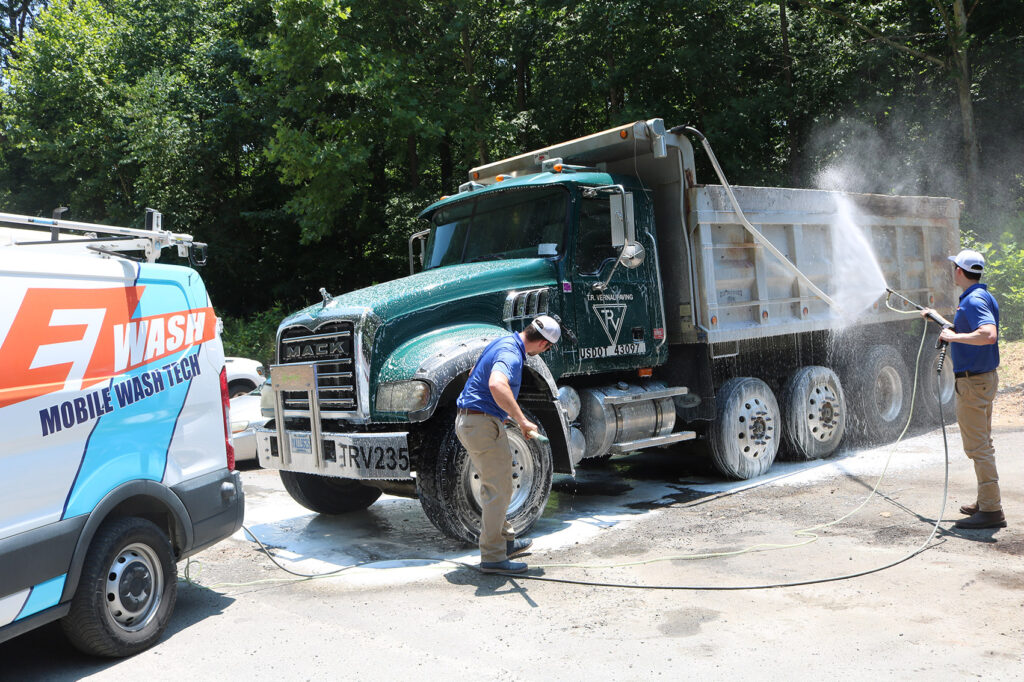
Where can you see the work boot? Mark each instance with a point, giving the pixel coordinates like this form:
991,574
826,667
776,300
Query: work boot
514,548
969,509
505,566
983,519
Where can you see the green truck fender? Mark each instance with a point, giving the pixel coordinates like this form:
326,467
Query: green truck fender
443,359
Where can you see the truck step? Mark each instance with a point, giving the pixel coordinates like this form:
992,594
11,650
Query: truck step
629,446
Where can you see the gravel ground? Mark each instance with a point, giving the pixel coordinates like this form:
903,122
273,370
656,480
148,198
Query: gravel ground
952,612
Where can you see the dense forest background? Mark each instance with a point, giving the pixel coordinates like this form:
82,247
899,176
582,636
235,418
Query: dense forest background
299,138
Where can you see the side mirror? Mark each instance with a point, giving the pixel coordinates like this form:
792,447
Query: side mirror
623,226
417,239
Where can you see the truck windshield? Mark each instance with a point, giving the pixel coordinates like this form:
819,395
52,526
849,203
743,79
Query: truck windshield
528,223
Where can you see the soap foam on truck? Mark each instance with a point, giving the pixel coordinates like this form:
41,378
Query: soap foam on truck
116,460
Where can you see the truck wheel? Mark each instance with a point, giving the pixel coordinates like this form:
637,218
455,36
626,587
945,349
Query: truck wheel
814,413
127,590
449,488
931,388
328,495
878,394
744,437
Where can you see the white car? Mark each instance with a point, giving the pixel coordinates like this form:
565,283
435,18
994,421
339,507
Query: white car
245,418
244,375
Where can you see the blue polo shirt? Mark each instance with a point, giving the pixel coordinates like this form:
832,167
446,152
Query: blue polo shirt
977,307
506,355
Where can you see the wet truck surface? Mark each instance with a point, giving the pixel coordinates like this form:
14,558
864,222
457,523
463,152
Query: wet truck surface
756,328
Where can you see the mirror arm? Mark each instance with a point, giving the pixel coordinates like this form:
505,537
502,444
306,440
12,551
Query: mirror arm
601,286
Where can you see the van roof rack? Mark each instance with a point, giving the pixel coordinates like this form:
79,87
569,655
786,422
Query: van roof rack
73,236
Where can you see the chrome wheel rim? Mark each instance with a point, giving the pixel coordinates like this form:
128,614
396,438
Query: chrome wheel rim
523,474
888,394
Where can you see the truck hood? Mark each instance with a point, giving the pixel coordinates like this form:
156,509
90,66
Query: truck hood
424,290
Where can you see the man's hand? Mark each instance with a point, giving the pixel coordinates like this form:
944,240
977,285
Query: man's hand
527,427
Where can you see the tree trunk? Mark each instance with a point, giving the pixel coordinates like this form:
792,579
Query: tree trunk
962,74
792,160
413,161
446,163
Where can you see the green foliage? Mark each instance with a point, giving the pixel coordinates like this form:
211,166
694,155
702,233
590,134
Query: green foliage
255,336
1004,275
300,138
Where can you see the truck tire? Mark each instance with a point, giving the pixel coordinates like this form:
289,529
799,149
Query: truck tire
328,495
127,590
878,389
744,438
931,388
450,497
814,413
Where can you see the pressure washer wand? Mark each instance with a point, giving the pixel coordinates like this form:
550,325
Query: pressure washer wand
934,317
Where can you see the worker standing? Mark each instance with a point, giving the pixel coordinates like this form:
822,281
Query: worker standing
974,347
487,400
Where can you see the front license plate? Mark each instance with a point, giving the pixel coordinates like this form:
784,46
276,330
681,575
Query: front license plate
377,457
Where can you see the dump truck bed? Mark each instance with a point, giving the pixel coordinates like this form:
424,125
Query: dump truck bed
742,291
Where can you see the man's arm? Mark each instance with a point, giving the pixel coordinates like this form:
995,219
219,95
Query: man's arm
502,394
985,335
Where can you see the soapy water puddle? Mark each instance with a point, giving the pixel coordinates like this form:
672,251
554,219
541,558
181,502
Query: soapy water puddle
395,534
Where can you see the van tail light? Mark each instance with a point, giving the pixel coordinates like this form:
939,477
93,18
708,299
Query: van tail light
226,404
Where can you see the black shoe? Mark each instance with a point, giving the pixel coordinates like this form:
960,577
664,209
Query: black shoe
505,566
514,548
969,509
983,519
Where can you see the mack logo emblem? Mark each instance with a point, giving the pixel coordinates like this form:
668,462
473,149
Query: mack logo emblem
611,316
314,350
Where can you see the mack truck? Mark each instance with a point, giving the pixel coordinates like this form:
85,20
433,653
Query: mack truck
691,312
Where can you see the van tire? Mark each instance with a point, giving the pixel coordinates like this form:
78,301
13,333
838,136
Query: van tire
445,482
328,495
129,564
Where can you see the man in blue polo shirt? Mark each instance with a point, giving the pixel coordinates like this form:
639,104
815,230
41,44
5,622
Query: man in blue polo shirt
973,346
487,400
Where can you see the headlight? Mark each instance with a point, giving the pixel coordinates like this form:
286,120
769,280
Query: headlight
239,426
403,396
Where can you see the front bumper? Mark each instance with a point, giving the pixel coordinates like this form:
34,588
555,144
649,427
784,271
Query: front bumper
363,456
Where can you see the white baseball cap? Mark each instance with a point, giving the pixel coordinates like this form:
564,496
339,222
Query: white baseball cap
970,261
548,328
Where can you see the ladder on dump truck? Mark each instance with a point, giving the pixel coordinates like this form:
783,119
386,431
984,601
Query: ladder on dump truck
72,236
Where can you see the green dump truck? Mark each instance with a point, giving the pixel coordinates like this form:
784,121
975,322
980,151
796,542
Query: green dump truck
692,313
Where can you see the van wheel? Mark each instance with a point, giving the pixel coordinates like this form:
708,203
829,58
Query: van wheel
127,590
814,411
744,438
328,495
449,486
878,392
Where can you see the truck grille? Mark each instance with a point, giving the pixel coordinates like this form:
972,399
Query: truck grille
330,347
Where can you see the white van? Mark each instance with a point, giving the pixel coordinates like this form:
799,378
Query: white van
116,459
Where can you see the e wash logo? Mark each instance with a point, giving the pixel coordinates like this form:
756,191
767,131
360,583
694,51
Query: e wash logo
71,339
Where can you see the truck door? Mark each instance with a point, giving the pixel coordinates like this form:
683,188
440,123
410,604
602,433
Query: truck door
618,326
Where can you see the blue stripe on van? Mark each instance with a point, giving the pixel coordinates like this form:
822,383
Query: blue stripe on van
131,443
43,596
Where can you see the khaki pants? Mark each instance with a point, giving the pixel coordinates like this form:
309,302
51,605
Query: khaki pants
484,438
974,396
